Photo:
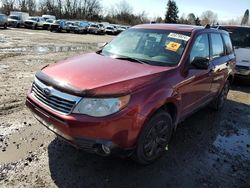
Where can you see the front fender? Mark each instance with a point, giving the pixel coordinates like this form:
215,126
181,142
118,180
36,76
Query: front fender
148,104
158,99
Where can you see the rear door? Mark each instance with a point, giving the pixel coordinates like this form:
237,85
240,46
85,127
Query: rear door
220,61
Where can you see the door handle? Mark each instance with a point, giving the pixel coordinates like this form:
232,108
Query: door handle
211,70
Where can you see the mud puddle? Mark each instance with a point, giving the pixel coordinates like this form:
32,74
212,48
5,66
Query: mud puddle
235,142
18,145
48,49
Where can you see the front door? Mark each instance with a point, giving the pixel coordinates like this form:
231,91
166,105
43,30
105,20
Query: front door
195,89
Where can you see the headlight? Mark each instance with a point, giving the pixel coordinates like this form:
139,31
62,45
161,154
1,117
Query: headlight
100,107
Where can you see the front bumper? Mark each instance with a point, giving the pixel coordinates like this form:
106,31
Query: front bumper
242,71
89,134
29,24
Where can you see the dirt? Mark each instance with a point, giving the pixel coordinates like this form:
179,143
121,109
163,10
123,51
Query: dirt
209,149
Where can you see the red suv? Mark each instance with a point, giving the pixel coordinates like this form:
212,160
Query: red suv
129,97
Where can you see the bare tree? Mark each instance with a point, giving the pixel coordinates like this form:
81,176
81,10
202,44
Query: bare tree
191,19
22,5
209,17
8,5
124,8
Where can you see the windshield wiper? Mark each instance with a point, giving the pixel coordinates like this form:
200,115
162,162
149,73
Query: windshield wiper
131,59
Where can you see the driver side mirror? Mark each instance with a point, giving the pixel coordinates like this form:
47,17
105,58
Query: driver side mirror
200,62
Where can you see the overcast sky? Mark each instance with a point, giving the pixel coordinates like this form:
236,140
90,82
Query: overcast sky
226,9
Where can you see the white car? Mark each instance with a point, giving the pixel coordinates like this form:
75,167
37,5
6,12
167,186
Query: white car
46,17
240,36
34,22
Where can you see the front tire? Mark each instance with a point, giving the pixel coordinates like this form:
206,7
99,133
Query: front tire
154,138
34,27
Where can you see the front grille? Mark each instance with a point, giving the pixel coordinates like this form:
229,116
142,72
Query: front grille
54,26
29,23
54,99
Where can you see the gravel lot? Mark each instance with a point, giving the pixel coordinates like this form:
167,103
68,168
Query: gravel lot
209,149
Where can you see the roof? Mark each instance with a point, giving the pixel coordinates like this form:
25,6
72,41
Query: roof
179,27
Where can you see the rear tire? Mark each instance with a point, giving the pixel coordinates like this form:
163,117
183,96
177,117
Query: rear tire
154,138
218,103
5,26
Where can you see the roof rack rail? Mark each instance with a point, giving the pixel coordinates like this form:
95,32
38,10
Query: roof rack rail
207,26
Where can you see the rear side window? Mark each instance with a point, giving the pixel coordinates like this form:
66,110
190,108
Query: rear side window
200,47
217,45
228,43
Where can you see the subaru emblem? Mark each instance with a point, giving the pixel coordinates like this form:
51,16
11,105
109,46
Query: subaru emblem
47,91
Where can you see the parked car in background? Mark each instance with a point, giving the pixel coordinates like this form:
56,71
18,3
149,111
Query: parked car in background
240,36
51,17
47,24
129,97
115,27
110,30
17,19
34,22
79,27
3,21
121,29
94,28
68,25
58,26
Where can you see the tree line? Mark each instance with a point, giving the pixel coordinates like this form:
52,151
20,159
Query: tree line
92,10
207,17
120,13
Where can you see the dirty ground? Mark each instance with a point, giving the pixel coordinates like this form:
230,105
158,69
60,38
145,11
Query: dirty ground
209,149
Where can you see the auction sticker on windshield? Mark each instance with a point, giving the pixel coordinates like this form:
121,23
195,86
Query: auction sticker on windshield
178,36
173,46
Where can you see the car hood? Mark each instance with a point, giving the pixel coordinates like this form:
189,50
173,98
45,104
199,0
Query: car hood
93,74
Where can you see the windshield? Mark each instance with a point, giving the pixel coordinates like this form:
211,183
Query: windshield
155,47
34,19
83,24
14,17
240,36
111,28
49,20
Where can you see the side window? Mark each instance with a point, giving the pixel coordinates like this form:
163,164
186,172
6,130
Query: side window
217,45
228,43
200,47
